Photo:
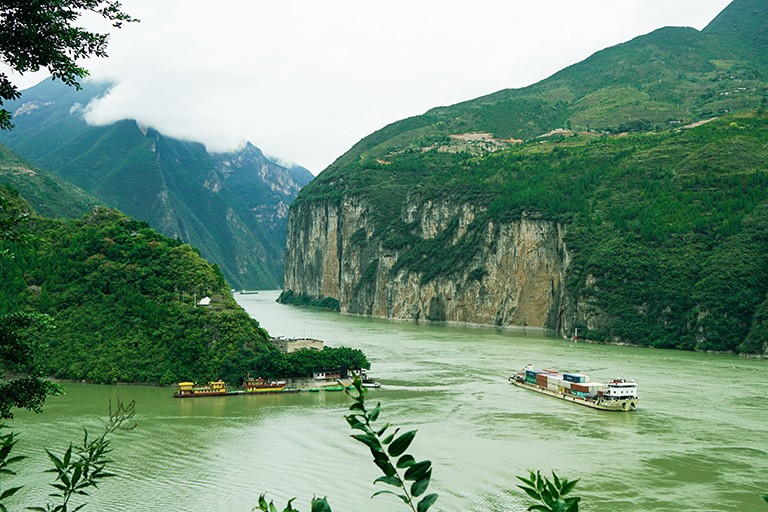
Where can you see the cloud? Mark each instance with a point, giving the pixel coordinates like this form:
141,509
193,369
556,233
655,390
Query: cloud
305,80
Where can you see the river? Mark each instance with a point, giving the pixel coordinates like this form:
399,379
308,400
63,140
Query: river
698,442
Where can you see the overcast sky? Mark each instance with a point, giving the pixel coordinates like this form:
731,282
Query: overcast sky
306,79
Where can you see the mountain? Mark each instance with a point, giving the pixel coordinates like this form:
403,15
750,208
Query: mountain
123,300
624,196
48,195
232,206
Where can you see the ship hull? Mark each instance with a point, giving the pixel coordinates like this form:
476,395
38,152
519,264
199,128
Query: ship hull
622,405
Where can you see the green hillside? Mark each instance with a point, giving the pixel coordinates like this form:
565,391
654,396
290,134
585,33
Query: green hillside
231,206
122,298
665,218
668,78
47,194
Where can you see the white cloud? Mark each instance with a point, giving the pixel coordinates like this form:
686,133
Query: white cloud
305,80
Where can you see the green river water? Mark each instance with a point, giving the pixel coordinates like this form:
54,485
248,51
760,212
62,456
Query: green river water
698,442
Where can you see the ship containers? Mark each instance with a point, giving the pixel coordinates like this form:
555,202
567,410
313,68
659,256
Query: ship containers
530,376
553,381
588,388
576,377
541,380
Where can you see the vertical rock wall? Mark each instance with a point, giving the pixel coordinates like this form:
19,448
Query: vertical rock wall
515,278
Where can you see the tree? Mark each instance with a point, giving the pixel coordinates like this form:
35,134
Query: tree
42,34
17,354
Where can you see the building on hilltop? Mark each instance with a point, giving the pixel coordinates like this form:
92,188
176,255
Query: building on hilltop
288,345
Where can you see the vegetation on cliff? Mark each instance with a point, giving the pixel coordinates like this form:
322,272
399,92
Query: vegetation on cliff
664,206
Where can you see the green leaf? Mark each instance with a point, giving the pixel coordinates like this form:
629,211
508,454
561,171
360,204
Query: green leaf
426,502
289,506
370,440
417,471
527,481
355,423
9,492
533,493
385,466
320,505
765,497
568,486
573,504
374,414
56,462
401,496
401,444
391,480
420,486
382,430
406,461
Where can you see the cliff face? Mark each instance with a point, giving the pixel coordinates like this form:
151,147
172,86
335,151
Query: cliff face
514,278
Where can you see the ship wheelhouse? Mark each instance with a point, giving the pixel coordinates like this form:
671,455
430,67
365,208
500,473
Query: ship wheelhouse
620,389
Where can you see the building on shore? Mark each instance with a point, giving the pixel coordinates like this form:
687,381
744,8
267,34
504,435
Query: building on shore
288,345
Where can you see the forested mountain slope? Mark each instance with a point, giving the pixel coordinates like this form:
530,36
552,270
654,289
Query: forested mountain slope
123,300
624,196
232,206
46,193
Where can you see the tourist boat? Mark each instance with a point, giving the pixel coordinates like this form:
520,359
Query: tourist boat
218,388
615,395
189,389
259,385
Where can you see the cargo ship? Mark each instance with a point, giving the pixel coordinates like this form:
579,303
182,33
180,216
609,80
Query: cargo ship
615,395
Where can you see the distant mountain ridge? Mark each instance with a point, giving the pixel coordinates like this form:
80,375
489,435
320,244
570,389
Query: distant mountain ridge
232,206
669,77
625,196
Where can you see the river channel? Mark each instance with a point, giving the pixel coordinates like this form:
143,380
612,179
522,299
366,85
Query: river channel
698,442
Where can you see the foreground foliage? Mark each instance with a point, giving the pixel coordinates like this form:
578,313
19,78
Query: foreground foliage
79,470
550,493
44,34
408,478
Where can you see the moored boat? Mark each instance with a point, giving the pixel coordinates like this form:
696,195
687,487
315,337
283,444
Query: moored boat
189,389
259,385
615,395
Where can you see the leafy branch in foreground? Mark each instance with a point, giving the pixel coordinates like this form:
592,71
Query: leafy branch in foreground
388,450
401,470
84,467
7,442
550,493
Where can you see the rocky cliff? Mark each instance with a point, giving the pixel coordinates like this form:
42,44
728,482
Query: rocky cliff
625,196
515,277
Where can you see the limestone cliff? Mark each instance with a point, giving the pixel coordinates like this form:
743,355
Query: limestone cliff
515,277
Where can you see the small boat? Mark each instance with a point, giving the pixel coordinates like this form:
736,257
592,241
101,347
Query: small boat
189,389
259,385
218,388
615,395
